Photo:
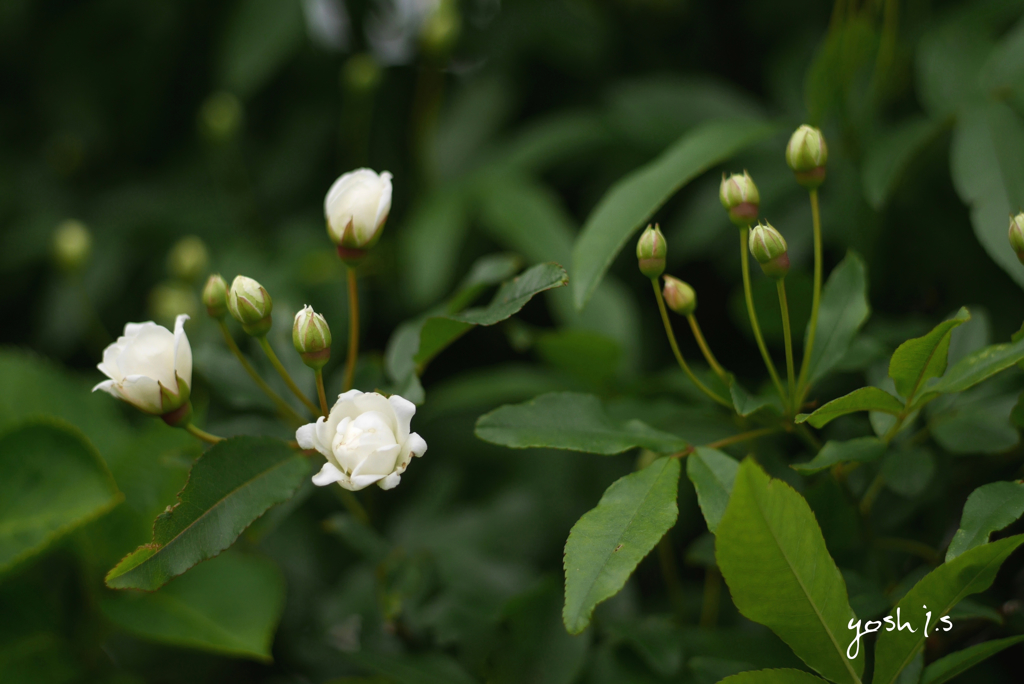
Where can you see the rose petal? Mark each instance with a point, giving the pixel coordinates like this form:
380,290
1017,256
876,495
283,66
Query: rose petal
416,445
182,350
329,475
390,482
143,393
404,411
379,462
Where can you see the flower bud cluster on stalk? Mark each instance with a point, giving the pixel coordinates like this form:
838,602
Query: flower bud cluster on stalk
365,438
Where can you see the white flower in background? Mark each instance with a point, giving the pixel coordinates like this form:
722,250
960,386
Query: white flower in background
356,208
393,27
366,440
149,367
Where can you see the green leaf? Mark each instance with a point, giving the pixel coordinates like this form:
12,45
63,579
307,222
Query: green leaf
569,420
440,331
859,450
976,426
607,543
230,605
262,35
51,482
908,471
863,399
772,555
977,367
773,677
944,669
988,509
429,248
712,474
844,308
987,165
229,486
582,354
889,155
39,658
940,590
635,198
916,361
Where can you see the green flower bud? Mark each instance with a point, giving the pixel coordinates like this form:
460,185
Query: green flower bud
72,244
188,259
220,117
169,299
360,74
312,338
215,296
651,250
740,198
769,248
250,304
806,154
1017,235
679,296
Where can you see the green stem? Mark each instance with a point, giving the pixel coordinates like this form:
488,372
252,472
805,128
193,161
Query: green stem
202,434
815,300
712,361
282,406
324,409
742,437
752,314
285,375
679,355
780,285
353,329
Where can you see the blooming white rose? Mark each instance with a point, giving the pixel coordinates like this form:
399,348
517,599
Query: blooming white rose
149,367
356,208
366,440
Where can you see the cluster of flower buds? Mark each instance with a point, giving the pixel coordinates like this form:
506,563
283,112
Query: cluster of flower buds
356,208
806,154
740,198
1017,235
769,248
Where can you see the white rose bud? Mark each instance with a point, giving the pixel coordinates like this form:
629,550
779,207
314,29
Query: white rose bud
366,440
356,208
151,368
250,304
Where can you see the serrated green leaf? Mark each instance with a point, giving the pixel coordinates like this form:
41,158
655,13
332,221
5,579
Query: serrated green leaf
51,482
988,509
859,450
773,557
940,590
712,474
635,198
916,361
773,677
229,486
607,543
230,605
944,669
569,420
977,367
844,308
863,399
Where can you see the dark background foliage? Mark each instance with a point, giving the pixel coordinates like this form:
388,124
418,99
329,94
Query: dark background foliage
503,123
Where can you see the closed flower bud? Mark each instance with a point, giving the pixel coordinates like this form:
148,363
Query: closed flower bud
806,154
151,368
250,304
366,440
312,338
188,259
220,117
215,296
651,250
72,244
360,74
1017,235
769,248
356,207
679,296
740,198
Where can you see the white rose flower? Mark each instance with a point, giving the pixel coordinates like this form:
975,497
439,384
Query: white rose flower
366,440
356,208
149,367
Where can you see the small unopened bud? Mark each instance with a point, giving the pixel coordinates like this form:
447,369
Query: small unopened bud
740,198
360,74
221,116
312,338
1017,235
215,296
679,296
250,304
769,248
72,244
651,251
806,154
188,259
